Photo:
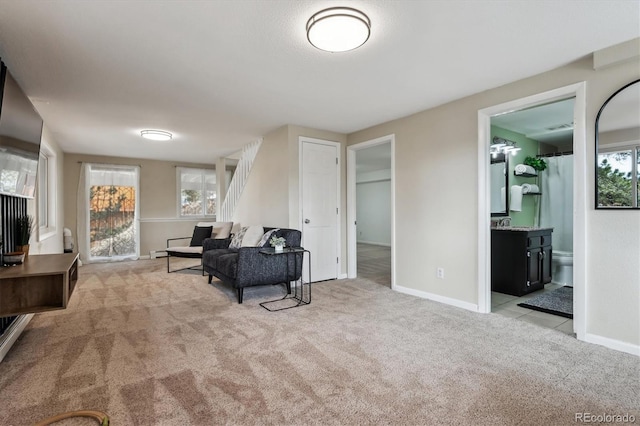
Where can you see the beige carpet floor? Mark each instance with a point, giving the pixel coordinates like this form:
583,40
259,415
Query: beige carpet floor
149,347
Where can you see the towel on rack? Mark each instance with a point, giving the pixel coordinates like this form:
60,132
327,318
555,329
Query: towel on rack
523,168
515,203
528,188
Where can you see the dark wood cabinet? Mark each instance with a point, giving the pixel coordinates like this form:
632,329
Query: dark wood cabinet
42,283
520,260
547,254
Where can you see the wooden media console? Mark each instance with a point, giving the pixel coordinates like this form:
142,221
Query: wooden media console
42,283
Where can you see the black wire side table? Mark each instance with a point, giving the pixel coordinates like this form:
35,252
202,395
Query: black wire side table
300,290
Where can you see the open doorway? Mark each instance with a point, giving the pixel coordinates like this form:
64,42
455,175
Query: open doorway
576,91
370,210
539,213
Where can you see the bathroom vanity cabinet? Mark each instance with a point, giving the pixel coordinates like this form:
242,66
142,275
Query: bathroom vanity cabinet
520,259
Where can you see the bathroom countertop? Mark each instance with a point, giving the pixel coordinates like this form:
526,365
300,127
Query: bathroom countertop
522,228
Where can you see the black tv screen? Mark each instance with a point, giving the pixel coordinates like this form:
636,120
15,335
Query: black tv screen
20,133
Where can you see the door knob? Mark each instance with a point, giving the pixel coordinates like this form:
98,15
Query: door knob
307,221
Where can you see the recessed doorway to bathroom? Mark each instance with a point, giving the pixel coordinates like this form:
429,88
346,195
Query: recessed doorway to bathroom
532,215
370,210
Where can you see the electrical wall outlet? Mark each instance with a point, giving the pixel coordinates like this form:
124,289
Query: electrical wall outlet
440,273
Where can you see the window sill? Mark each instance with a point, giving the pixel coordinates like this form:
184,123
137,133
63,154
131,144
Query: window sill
197,218
46,233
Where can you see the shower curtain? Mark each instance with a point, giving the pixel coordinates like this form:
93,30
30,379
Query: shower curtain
556,201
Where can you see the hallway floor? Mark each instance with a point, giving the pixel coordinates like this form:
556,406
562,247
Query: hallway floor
374,263
507,305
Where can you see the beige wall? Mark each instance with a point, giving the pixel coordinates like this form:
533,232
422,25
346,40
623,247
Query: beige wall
437,201
613,237
54,241
264,200
271,196
158,199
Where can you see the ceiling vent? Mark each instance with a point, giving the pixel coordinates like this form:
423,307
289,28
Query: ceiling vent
560,127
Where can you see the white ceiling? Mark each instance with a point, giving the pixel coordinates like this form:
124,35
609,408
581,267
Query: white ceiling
219,74
374,158
550,123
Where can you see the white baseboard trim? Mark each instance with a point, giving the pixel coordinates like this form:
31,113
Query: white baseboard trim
342,276
10,336
613,344
437,298
373,243
155,254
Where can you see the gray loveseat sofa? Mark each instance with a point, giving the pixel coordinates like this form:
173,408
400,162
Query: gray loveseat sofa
246,266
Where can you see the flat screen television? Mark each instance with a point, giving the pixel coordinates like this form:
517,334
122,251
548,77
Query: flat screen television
20,133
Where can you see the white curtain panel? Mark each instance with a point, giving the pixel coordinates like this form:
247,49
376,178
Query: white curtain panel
113,175
556,209
82,215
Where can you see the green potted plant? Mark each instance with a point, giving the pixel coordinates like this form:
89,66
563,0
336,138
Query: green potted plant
277,243
537,163
24,227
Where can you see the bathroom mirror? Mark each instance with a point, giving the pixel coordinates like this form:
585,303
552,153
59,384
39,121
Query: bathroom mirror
618,150
499,178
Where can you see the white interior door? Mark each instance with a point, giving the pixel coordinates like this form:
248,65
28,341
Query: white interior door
319,201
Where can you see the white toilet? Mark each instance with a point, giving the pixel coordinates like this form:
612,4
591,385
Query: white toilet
562,268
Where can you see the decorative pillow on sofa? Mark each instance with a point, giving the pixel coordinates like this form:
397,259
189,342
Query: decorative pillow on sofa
264,241
199,234
236,241
252,236
221,230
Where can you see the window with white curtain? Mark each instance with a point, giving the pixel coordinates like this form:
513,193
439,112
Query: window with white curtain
112,205
46,191
196,192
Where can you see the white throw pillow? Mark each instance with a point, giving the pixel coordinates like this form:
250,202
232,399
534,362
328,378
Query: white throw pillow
236,241
266,237
252,236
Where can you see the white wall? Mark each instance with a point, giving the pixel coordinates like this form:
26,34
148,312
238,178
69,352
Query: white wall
437,201
375,175
373,214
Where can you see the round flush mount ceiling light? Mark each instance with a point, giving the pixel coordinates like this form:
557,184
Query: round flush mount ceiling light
156,135
338,29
